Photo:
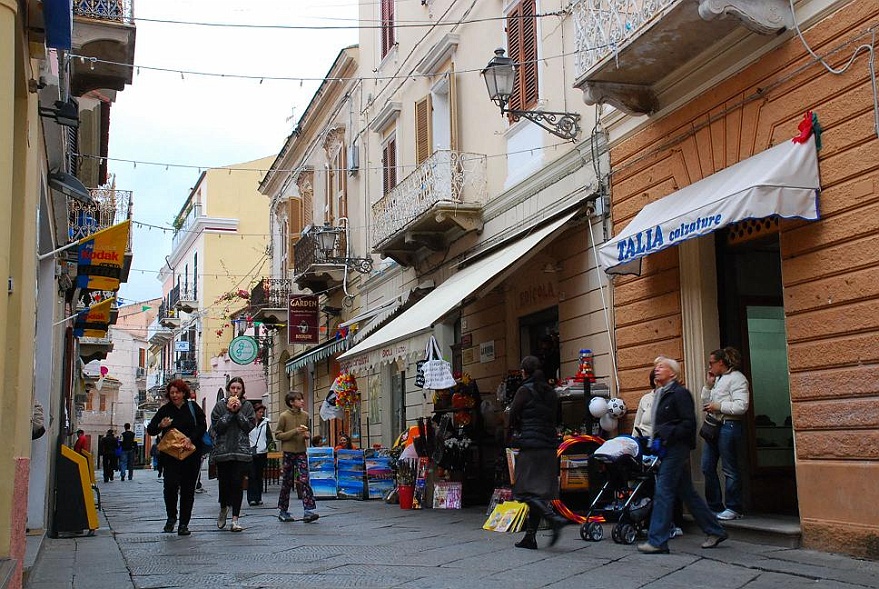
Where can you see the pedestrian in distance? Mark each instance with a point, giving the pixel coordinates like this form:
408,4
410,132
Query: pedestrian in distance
82,443
725,396
129,449
179,475
260,438
344,442
109,444
231,422
292,431
157,458
533,419
674,436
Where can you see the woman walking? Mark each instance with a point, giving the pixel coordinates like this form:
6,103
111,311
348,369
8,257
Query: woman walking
179,475
533,417
231,422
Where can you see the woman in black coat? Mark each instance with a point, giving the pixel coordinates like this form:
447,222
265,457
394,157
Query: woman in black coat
533,419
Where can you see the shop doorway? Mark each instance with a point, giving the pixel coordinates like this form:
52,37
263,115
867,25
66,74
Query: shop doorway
750,300
539,336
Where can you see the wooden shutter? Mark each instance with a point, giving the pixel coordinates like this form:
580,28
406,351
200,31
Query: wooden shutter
522,43
389,165
423,138
294,228
342,179
387,17
453,109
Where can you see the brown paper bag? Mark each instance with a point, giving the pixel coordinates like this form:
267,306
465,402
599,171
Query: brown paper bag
175,444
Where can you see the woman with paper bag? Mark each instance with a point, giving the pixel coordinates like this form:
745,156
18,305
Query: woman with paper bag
182,425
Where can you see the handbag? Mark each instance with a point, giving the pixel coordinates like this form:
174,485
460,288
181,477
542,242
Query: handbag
710,430
174,444
437,372
207,442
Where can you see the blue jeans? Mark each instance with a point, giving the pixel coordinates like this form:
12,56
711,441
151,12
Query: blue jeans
673,481
727,451
126,462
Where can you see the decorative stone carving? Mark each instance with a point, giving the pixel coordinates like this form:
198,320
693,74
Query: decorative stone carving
335,138
629,98
761,16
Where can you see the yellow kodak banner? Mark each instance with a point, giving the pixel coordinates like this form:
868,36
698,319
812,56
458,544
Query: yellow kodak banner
101,256
94,321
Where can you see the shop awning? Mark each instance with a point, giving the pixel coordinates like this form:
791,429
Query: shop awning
420,318
782,180
382,309
315,354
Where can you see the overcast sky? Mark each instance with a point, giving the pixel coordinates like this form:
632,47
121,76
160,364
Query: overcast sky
199,121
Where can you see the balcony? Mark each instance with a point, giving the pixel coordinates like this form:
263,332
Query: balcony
103,30
269,300
157,379
187,299
109,207
158,335
183,227
140,373
434,205
313,270
167,317
185,368
94,348
624,48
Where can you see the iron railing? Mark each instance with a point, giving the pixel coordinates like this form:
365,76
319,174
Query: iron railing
121,11
108,207
270,293
603,26
445,177
183,227
173,297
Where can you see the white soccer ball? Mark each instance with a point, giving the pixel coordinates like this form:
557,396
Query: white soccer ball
616,407
608,422
598,407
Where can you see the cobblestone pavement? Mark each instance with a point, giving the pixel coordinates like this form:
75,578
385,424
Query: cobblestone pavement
372,544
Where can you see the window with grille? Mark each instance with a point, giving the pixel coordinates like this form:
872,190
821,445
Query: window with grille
388,36
522,44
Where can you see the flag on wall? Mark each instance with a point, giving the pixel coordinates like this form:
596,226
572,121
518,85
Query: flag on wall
94,321
101,256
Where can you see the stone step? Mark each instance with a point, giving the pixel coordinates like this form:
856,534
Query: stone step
775,530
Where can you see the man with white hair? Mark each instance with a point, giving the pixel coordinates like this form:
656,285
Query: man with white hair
674,436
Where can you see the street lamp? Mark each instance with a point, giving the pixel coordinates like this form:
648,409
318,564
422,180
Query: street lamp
326,238
500,77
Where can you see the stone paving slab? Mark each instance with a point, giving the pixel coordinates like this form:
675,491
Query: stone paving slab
366,544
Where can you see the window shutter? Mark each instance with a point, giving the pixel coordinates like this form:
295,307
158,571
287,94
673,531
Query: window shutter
514,45
294,228
342,179
522,42
387,17
453,109
422,129
389,161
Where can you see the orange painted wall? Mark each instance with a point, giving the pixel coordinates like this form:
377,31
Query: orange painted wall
830,267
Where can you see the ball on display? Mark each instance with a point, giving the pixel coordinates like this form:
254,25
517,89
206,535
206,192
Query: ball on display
616,407
608,422
598,407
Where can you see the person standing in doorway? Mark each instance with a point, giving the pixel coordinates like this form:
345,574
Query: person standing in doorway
293,430
231,422
674,436
82,444
534,417
260,438
726,396
129,449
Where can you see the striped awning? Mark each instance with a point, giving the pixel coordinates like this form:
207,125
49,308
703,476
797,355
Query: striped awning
315,354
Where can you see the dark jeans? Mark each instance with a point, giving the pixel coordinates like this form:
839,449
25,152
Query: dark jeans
674,481
230,477
254,487
179,479
126,462
727,451
109,467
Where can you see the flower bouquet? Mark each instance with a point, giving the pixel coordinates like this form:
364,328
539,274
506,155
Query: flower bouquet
345,387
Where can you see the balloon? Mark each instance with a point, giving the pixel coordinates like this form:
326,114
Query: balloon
104,370
598,407
608,422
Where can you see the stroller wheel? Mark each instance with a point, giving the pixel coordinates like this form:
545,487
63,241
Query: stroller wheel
592,532
624,533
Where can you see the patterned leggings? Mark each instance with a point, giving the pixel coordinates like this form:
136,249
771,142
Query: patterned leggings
296,469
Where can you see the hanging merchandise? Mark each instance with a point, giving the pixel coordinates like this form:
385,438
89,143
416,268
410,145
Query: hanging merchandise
437,372
345,387
330,409
585,371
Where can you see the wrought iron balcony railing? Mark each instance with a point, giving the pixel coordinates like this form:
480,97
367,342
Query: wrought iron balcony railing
174,297
270,293
307,252
184,226
108,208
112,10
450,177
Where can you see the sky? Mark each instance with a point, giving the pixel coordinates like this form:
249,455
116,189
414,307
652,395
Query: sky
176,119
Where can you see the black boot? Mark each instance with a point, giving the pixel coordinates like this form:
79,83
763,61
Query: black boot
529,541
555,521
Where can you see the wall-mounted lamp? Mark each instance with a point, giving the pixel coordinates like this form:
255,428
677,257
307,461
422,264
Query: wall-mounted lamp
500,76
326,239
69,185
64,113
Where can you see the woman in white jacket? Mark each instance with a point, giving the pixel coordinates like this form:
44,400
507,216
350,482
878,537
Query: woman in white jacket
260,438
726,396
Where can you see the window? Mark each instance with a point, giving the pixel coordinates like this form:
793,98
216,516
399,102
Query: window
388,39
195,276
389,164
293,228
423,125
522,43
141,357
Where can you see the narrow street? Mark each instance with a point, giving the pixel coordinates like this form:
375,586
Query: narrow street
372,544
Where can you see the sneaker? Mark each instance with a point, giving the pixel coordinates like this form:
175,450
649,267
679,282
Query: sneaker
675,532
236,527
221,518
729,514
648,548
712,541
183,530
285,517
310,517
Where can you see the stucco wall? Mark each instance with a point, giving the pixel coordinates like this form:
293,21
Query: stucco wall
829,267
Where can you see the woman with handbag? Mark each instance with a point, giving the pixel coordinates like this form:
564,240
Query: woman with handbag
725,399
260,439
180,418
231,422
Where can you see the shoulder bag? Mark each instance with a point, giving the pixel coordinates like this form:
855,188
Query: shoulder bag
437,372
207,442
710,430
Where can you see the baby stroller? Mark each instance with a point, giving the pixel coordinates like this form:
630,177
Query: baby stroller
627,496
